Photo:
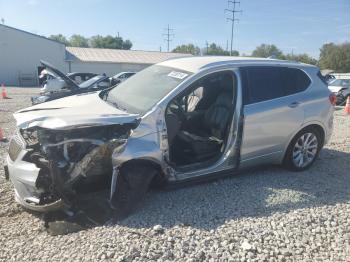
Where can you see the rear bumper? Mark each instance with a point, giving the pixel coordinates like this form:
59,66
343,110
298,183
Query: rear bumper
23,176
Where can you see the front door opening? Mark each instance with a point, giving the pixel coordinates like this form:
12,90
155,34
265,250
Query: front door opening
198,120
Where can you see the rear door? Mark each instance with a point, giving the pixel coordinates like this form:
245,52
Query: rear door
272,111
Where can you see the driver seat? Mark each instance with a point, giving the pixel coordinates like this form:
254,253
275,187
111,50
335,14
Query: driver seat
209,140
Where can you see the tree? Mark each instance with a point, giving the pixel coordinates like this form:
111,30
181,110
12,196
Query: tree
78,41
109,41
60,38
335,57
214,49
187,49
127,44
303,58
266,50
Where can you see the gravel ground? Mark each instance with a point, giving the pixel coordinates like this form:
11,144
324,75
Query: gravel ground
268,214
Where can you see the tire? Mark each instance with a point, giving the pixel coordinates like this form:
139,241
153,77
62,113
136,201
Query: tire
301,155
132,184
344,102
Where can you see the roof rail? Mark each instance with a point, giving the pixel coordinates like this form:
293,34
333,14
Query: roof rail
228,62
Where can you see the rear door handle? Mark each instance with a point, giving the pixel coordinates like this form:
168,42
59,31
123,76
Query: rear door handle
294,104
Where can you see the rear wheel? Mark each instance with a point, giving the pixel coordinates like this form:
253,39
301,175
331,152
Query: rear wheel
132,184
303,149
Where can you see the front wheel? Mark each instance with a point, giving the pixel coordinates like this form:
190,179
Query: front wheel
132,184
303,150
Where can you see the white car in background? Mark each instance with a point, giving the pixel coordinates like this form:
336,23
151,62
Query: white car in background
341,88
121,77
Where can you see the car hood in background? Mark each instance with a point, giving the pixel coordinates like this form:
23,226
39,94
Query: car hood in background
335,89
76,111
69,82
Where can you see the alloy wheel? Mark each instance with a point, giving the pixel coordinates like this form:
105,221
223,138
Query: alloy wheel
305,150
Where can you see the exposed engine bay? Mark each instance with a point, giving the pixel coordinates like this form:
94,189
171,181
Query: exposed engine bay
73,161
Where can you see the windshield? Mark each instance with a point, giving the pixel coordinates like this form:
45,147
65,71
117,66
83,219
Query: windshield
340,82
91,81
141,92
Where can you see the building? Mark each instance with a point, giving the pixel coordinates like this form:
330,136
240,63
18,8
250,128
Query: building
112,61
21,52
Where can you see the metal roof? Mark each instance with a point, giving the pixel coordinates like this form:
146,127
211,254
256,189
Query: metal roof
119,56
29,33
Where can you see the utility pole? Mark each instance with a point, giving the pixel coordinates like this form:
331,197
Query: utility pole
232,12
207,45
168,35
2,20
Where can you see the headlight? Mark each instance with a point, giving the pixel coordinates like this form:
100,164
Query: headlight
30,136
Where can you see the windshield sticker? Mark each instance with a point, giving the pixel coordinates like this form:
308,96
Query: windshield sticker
178,75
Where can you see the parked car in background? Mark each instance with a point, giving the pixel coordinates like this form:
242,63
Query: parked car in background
80,77
57,81
118,78
341,88
99,82
180,120
329,78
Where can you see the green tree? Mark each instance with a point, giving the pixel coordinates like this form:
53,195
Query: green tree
335,57
78,41
60,38
214,49
303,58
96,41
109,41
187,49
265,50
127,44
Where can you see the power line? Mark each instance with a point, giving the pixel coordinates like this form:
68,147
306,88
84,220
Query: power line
168,35
233,12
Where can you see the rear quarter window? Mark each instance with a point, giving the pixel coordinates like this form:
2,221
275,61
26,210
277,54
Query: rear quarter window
294,80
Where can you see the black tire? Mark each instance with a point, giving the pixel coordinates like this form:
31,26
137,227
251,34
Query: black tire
133,183
344,102
288,159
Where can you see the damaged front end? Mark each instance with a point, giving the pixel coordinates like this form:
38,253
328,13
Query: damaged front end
50,168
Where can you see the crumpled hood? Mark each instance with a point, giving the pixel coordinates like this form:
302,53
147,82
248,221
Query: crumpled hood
77,111
335,89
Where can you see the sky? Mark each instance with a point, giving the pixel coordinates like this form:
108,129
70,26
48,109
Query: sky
298,26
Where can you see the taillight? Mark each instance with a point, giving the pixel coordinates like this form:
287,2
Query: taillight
332,99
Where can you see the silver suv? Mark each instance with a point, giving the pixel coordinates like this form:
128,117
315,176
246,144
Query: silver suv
179,120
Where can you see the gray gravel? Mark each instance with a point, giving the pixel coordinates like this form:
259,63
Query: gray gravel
268,214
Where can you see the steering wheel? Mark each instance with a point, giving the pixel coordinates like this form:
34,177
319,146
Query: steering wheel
179,110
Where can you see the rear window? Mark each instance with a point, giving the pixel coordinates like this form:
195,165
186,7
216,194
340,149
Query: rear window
266,83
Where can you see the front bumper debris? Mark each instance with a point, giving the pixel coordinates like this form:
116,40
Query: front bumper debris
50,169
